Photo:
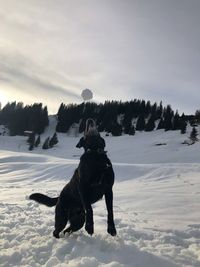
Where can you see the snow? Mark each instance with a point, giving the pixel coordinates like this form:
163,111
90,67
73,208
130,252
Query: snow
156,203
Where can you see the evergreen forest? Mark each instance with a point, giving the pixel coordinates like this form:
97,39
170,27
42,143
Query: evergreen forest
115,117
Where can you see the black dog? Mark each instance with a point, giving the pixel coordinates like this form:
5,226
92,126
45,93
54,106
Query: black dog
93,179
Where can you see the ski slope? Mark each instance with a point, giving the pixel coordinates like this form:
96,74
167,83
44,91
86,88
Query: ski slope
156,204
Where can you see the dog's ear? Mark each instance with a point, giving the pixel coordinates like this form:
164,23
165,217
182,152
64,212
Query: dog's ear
81,143
78,145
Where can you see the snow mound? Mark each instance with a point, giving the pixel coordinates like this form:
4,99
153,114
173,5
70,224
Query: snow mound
156,203
156,209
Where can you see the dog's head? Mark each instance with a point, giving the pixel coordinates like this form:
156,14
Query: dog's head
91,128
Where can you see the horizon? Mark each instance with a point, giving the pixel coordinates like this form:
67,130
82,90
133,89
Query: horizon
92,101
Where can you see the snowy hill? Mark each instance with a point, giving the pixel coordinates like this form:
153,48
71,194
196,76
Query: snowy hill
156,203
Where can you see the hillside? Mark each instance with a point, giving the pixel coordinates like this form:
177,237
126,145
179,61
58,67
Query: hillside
156,203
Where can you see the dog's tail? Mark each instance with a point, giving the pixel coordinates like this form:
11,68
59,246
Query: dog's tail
43,199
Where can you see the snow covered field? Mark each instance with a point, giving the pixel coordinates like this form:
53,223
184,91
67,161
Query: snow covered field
156,204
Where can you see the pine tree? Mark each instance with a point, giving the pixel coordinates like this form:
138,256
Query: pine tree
140,125
82,125
176,122
150,124
160,124
193,135
116,129
45,118
37,142
46,143
127,126
183,123
168,117
29,136
54,140
31,141
183,127
132,130
197,116
159,111
100,127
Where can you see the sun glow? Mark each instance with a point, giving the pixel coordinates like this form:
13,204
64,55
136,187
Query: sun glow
3,99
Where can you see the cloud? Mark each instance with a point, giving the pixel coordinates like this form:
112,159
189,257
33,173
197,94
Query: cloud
22,78
25,78
120,49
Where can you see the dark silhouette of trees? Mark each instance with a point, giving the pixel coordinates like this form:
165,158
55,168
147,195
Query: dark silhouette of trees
46,143
183,127
31,140
183,124
197,116
168,115
111,113
140,125
50,142
160,124
132,130
159,111
112,117
127,126
150,125
37,142
67,115
116,129
18,118
193,135
54,140
176,122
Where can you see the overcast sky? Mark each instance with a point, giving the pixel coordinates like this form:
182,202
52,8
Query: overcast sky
120,49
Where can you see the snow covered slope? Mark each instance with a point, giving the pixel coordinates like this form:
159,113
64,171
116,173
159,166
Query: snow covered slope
156,204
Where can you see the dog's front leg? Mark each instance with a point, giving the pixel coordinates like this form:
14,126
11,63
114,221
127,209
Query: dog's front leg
109,204
61,218
89,223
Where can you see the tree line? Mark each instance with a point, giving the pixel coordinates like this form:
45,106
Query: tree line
19,118
117,117
34,141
